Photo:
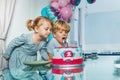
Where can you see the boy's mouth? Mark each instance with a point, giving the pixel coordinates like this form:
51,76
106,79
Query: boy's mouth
63,39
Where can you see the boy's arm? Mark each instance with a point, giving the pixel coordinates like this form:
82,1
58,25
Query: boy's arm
50,49
50,56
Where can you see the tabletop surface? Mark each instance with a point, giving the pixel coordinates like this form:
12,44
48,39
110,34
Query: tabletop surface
102,68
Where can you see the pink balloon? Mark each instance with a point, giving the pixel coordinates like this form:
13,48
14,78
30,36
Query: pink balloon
63,3
54,5
68,1
54,0
66,12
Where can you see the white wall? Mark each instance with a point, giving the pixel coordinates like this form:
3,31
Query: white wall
103,6
102,22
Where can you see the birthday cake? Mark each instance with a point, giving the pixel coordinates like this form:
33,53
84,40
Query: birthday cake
67,56
67,63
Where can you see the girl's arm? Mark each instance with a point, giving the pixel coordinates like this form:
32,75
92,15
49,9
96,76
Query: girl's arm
14,44
43,51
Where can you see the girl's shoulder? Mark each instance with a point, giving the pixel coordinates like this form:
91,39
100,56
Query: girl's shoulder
26,35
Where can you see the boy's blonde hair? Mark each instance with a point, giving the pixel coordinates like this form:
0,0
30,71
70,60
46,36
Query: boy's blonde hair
60,25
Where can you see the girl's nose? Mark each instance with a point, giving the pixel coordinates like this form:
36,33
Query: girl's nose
49,31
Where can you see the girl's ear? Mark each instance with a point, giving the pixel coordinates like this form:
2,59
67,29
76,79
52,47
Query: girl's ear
36,29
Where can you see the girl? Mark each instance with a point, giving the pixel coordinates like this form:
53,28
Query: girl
25,47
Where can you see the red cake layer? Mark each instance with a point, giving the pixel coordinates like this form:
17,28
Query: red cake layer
61,71
71,62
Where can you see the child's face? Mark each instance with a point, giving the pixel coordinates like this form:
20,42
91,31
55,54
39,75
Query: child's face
61,36
44,30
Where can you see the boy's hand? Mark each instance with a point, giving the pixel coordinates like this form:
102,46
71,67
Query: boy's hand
49,65
50,56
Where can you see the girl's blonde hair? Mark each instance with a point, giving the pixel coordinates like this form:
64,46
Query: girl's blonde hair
60,25
31,24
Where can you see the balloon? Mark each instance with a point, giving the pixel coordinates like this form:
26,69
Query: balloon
47,12
63,3
66,12
78,2
91,1
68,1
56,13
53,9
73,2
44,12
54,0
59,17
50,15
54,5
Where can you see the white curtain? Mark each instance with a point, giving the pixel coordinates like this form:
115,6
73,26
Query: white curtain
6,12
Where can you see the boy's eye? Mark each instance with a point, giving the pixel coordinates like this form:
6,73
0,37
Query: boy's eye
66,32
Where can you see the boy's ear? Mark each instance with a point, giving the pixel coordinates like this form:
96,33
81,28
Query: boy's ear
54,35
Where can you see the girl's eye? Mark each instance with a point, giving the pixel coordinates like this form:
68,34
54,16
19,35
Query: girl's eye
60,31
46,28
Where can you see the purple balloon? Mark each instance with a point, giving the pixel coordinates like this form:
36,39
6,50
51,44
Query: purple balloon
52,9
73,2
93,1
59,16
56,13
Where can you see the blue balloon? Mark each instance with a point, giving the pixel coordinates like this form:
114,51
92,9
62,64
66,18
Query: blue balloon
54,19
44,11
47,12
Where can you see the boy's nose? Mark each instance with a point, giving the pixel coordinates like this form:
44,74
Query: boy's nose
64,34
